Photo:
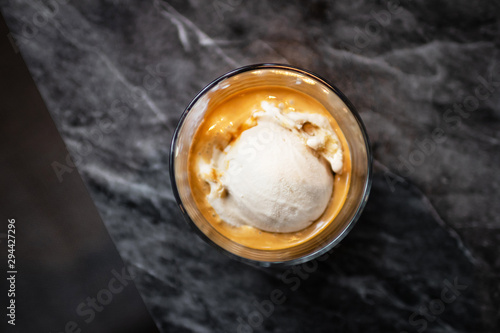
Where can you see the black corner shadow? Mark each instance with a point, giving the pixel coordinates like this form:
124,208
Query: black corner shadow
67,275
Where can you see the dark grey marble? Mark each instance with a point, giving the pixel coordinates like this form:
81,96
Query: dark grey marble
116,75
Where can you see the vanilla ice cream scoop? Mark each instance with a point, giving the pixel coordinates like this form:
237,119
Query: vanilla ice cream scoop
277,176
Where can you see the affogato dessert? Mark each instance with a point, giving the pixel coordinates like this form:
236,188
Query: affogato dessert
269,167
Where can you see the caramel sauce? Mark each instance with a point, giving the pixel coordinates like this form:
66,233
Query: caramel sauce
223,122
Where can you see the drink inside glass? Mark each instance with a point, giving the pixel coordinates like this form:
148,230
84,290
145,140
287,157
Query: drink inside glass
271,164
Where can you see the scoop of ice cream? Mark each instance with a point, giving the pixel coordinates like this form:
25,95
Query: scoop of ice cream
313,129
277,176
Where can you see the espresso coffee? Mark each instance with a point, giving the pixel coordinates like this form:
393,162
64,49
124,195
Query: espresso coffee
224,122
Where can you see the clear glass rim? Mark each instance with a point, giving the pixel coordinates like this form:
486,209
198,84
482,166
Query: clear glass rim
366,189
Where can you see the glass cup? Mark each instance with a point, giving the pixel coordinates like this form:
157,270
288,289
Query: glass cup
342,111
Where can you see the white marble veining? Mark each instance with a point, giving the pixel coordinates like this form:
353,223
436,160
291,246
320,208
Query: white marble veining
116,76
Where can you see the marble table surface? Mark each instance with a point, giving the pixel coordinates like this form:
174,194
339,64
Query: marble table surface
116,76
